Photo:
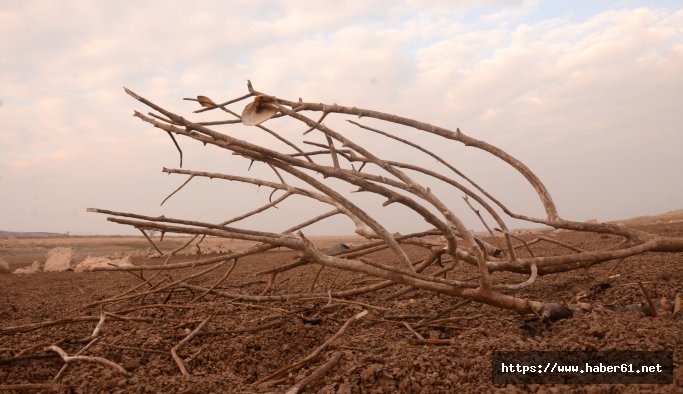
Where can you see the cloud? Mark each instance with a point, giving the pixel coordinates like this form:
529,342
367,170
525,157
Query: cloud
582,100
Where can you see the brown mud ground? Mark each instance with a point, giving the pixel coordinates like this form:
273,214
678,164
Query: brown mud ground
246,341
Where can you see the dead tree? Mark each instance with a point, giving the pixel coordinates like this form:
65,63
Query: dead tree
354,163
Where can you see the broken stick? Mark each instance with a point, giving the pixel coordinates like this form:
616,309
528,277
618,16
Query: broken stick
315,353
99,360
174,352
316,374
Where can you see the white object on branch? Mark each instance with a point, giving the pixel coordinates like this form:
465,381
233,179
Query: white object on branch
259,110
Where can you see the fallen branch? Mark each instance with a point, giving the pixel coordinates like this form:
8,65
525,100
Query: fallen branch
174,351
313,354
420,338
31,386
210,289
97,329
650,304
240,330
49,323
318,373
414,187
86,347
10,360
134,349
99,360
441,314
330,299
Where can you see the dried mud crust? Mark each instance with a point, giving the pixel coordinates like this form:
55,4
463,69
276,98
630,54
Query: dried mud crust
245,342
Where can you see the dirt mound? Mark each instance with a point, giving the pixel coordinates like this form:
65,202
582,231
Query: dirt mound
663,218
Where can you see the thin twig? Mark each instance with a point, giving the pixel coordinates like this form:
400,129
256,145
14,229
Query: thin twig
408,289
210,289
526,283
313,354
526,245
172,284
135,349
420,338
321,371
178,189
316,277
98,360
97,329
180,151
333,151
151,242
39,346
324,115
86,347
257,210
49,323
241,330
446,311
147,282
476,211
651,305
269,285
174,352
204,109
178,249
349,302
41,356
556,242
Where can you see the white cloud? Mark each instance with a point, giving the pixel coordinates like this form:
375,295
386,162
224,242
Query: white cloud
582,101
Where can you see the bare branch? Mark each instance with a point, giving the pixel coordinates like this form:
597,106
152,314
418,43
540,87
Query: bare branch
152,242
178,189
180,151
174,352
334,359
476,211
315,353
393,181
98,360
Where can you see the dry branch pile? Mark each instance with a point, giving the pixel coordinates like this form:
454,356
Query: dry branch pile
392,181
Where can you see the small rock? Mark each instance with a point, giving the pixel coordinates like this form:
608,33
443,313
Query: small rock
90,263
58,259
35,267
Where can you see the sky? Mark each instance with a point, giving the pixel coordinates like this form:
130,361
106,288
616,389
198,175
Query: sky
589,94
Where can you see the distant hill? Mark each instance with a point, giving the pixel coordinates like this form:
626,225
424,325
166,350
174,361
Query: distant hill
668,217
30,234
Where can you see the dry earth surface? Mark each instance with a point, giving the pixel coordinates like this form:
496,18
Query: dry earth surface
246,341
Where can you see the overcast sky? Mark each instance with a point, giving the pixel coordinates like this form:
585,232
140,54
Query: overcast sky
589,94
